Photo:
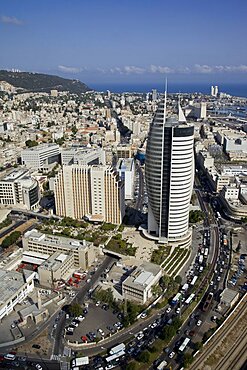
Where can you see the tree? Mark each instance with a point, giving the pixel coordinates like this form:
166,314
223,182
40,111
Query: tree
198,346
164,281
10,239
31,143
144,356
187,359
131,366
195,216
75,309
178,279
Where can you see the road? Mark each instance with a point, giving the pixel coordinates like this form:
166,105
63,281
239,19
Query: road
139,200
79,298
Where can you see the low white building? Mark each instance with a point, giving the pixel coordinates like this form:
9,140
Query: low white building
138,286
14,288
126,170
19,189
39,156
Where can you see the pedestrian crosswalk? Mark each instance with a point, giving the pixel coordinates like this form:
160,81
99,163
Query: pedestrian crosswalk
55,357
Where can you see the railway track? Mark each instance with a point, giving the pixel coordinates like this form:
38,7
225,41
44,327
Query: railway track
235,354
227,327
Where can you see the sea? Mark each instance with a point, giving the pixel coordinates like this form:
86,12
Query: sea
239,90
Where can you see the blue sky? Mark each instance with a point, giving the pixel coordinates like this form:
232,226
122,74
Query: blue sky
115,41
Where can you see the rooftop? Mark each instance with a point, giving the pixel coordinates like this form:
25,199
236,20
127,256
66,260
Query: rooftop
143,275
11,283
125,164
45,239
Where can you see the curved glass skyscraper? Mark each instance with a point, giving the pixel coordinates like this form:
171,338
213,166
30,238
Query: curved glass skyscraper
169,174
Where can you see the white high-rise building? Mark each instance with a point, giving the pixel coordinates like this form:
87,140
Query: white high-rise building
169,174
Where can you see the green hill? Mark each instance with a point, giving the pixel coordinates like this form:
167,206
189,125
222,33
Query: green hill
39,82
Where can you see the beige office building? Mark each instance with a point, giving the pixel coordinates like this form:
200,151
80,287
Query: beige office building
92,191
34,241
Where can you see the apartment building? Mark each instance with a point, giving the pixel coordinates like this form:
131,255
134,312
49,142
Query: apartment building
95,192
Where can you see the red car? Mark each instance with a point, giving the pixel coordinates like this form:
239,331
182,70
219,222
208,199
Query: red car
84,339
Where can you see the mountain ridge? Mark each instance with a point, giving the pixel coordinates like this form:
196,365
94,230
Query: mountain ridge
41,82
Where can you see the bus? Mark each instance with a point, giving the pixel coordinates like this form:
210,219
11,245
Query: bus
115,356
184,345
176,299
208,301
120,347
194,280
189,299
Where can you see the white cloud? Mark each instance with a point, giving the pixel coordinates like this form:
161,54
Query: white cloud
159,69
203,68
133,69
66,69
10,20
220,68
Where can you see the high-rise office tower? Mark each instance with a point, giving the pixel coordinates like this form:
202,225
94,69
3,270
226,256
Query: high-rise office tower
96,192
154,95
169,177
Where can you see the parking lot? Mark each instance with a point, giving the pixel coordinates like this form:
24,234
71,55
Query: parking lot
96,318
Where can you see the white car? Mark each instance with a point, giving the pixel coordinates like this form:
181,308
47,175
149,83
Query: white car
172,354
199,323
101,332
178,310
38,367
143,315
97,303
168,310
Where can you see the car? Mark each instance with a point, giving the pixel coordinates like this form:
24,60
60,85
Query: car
37,346
172,354
178,310
38,367
168,310
55,325
191,333
101,332
218,278
75,324
13,326
84,339
214,318
88,280
199,323
85,311
97,303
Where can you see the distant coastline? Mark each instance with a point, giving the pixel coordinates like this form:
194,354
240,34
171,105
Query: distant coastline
232,89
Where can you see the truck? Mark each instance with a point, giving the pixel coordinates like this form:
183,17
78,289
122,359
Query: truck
79,361
208,301
119,348
176,299
185,287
